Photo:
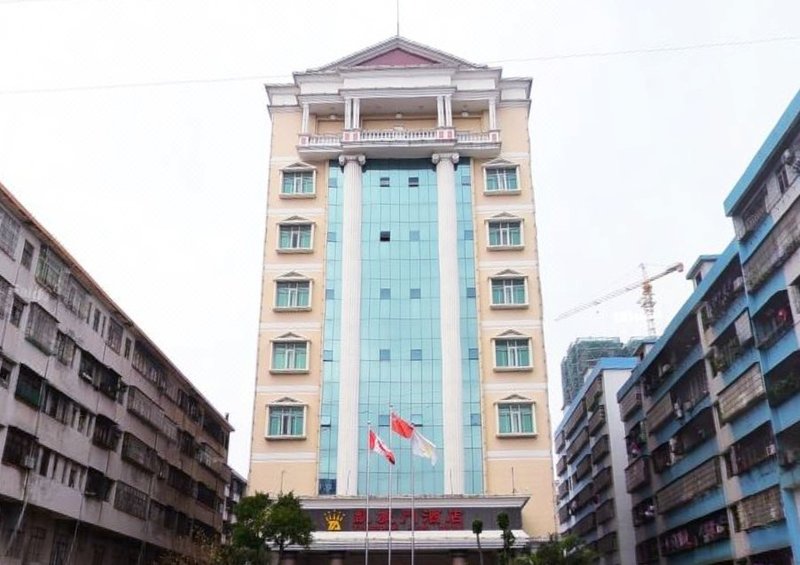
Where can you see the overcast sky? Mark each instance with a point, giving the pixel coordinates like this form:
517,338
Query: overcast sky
137,133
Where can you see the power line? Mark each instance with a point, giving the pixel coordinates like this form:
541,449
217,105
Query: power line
645,50
589,54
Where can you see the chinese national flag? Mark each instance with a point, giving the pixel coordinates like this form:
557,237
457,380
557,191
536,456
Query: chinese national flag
401,427
377,445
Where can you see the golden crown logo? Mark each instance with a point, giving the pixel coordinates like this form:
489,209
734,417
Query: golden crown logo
334,520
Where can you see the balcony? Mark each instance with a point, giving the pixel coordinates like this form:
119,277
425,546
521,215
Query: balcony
694,433
783,382
583,468
578,443
608,543
644,512
630,402
600,449
594,393
660,413
706,530
681,352
693,484
776,249
647,551
773,320
759,510
743,393
584,526
752,450
563,489
637,474
636,442
559,441
574,419
602,480
719,299
605,511
597,419
387,142
561,466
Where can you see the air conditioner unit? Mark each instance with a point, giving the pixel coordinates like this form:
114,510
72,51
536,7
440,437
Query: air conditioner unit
738,284
771,449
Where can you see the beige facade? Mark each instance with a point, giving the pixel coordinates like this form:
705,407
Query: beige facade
109,454
401,100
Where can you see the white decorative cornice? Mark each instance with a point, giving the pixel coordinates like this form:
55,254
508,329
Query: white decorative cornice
515,387
287,457
284,326
506,454
287,389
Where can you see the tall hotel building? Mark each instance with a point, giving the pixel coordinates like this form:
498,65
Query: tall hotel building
400,268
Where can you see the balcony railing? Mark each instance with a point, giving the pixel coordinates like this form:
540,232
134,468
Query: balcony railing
782,241
752,450
563,489
647,551
698,533
597,419
561,466
644,512
575,419
605,511
602,480
559,441
608,543
462,140
691,485
660,413
583,468
594,392
578,443
637,474
630,402
744,392
759,510
773,321
585,525
600,449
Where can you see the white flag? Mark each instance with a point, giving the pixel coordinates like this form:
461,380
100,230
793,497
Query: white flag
423,447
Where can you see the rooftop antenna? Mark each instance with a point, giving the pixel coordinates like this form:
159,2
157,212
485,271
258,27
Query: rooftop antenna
397,18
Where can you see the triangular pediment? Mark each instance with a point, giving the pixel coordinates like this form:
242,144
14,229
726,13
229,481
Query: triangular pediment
508,273
498,164
398,52
298,166
290,337
516,398
292,275
511,334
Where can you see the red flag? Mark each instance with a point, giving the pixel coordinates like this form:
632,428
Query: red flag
377,445
401,427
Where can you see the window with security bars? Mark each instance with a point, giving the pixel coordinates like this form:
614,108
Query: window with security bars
508,292
30,386
297,183
505,234
131,500
293,294
512,353
20,448
75,297
759,509
65,349
501,179
286,421
114,335
515,419
294,237
290,356
744,392
50,269
9,232
42,328
5,293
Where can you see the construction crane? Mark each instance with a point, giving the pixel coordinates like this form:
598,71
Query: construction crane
647,300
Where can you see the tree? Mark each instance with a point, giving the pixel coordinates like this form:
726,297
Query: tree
249,534
568,550
477,529
288,524
504,523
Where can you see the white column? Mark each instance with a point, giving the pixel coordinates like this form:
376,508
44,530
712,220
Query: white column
356,117
492,114
347,113
448,111
304,123
450,323
440,111
350,343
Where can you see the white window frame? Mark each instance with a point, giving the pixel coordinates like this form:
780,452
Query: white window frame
286,340
508,220
518,402
512,337
500,191
298,169
293,278
292,224
288,403
508,305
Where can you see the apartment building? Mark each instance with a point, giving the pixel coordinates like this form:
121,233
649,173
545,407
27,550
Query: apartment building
581,356
109,454
400,268
590,442
716,402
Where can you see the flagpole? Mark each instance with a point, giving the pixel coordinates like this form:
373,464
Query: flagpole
413,510
366,529
390,488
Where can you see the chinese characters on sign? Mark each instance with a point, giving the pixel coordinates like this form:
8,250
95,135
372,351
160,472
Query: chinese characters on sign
426,519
